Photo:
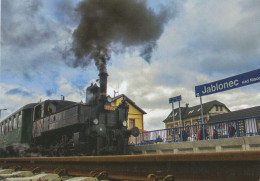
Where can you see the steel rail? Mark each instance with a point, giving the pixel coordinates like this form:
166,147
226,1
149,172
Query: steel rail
235,165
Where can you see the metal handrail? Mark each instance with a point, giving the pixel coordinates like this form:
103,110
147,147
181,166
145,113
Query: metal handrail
247,126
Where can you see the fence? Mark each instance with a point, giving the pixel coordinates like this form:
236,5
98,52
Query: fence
217,130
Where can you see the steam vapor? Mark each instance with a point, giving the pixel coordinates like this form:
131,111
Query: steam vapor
129,23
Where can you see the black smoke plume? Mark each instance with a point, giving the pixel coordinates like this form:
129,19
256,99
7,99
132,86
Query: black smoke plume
104,23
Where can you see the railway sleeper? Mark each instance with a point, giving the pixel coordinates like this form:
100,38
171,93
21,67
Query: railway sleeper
39,177
13,175
17,174
51,177
6,171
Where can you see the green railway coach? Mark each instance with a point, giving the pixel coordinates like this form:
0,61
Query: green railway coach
16,131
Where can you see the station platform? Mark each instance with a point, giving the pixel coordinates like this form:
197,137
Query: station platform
218,145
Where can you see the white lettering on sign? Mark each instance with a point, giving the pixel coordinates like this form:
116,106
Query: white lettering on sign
213,88
245,81
254,79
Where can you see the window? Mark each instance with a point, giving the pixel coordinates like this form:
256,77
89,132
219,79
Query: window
10,124
6,126
216,108
3,129
0,128
37,112
190,111
20,120
220,108
131,123
15,122
187,123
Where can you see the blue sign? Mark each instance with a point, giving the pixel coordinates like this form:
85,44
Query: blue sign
175,99
228,83
199,120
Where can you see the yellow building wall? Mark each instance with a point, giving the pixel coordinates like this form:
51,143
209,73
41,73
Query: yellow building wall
215,111
132,114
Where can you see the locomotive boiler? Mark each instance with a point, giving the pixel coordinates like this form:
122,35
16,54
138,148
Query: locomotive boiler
60,127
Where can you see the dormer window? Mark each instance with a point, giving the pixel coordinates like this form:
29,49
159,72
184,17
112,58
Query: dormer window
220,108
216,108
190,111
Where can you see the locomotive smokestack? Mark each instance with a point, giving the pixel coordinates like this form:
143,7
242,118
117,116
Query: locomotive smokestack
103,85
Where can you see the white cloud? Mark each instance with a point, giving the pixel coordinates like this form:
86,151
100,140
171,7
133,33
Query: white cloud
153,118
71,93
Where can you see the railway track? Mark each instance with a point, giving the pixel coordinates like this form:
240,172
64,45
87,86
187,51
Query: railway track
235,165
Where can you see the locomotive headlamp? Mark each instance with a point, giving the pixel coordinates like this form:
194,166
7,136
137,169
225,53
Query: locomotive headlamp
109,99
95,121
124,123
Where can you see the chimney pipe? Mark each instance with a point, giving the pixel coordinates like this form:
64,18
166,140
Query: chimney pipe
103,85
187,105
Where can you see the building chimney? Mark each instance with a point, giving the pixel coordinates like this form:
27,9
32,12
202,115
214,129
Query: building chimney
187,105
103,85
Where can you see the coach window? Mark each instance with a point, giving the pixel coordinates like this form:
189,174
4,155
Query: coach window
37,112
6,126
20,120
42,110
3,128
10,126
15,122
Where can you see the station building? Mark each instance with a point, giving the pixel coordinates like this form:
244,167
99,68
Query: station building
192,115
135,114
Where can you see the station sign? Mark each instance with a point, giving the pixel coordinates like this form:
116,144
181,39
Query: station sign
228,83
175,99
199,120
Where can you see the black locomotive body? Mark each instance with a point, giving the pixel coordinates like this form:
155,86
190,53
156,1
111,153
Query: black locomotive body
60,127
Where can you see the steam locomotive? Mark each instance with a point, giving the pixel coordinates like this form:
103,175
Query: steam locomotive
59,127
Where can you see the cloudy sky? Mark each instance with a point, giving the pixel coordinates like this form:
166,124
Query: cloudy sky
199,42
